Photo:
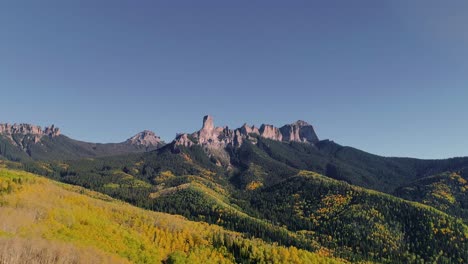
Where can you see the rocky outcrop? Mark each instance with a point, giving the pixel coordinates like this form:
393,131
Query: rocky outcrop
19,141
146,138
52,131
28,129
27,132
183,140
243,133
300,131
247,130
208,134
215,140
270,132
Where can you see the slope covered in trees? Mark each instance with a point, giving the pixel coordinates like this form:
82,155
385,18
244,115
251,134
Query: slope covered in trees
306,210
361,224
48,222
270,192
447,192
23,148
352,165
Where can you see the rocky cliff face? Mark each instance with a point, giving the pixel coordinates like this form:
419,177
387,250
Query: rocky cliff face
300,131
146,138
270,132
24,141
28,131
215,140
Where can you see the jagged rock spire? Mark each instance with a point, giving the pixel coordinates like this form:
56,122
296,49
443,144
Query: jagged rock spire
299,131
208,122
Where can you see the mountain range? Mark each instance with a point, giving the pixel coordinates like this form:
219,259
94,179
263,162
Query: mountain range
21,142
281,185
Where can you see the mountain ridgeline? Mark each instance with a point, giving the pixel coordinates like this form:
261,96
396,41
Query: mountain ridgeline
23,142
280,185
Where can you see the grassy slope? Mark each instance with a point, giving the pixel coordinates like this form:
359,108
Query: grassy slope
64,218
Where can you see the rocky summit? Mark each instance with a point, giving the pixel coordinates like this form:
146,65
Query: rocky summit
27,130
30,142
146,138
299,131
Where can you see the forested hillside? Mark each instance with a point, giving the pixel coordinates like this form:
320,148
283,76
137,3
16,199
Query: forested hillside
447,192
305,210
48,222
318,197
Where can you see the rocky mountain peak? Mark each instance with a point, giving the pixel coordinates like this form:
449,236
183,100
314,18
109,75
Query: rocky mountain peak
216,140
221,137
28,129
145,138
300,123
246,130
19,134
270,132
208,123
208,133
299,131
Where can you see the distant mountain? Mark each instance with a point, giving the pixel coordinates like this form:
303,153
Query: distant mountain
269,154
20,142
212,136
282,185
216,141
247,154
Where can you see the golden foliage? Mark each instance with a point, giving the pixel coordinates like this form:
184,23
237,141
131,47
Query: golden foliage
253,185
64,218
41,251
164,176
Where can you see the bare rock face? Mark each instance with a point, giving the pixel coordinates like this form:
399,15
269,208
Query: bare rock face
208,133
247,130
28,129
146,138
215,140
183,140
52,131
208,123
271,132
222,137
26,132
300,131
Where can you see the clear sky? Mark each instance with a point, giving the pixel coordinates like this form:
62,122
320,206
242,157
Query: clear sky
389,77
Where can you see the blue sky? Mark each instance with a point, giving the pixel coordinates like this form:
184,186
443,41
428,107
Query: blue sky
388,77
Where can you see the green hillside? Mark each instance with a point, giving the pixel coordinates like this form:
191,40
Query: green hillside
362,224
318,198
24,148
447,192
60,223
304,210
